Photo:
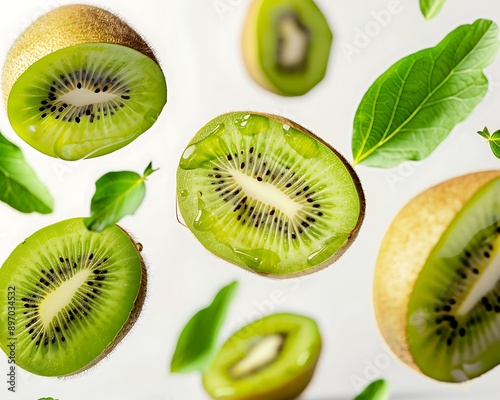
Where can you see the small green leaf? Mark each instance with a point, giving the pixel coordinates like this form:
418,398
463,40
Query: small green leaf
117,194
197,342
431,8
378,390
149,170
19,185
413,106
47,398
495,143
485,133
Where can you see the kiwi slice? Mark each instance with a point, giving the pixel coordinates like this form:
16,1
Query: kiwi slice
80,82
68,296
267,195
286,45
437,279
273,358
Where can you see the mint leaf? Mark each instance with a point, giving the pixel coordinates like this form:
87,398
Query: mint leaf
378,390
431,8
117,194
19,185
197,342
493,139
413,106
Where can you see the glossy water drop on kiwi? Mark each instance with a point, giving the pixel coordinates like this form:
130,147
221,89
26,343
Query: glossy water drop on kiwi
267,195
68,296
437,279
286,45
273,358
81,83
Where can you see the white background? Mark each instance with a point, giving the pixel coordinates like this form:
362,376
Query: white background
199,50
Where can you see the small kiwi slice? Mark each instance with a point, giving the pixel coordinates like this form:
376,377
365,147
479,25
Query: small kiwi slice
80,82
273,358
437,279
286,45
267,195
68,296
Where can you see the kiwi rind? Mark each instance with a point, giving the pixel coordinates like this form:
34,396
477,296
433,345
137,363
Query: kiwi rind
63,27
290,380
42,238
224,251
260,65
407,244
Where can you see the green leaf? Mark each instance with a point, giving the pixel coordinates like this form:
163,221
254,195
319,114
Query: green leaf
413,106
117,194
485,133
431,8
19,185
495,143
197,342
47,398
378,390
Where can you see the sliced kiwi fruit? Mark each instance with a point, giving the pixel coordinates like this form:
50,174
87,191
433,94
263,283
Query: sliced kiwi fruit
68,296
286,45
437,279
268,195
273,358
81,83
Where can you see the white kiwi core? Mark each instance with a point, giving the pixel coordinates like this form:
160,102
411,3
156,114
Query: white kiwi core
265,351
484,285
60,297
266,193
84,97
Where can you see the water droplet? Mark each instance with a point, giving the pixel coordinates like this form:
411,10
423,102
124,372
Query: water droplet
328,248
259,259
252,124
204,220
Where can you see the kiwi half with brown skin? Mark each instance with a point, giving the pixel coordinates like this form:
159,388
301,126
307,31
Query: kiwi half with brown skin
80,82
437,279
69,296
286,45
268,195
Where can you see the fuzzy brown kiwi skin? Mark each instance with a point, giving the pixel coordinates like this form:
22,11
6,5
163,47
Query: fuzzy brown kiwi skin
359,189
412,235
64,27
134,314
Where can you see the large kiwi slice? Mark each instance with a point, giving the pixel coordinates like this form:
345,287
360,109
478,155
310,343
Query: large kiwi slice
286,45
79,82
68,296
437,279
273,358
266,194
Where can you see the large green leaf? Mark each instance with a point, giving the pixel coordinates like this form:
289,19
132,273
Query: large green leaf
19,185
414,105
117,194
431,8
197,342
378,390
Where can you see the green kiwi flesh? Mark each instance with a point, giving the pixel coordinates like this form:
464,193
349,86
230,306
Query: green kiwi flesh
267,195
286,45
68,296
273,358
86,100
454,309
